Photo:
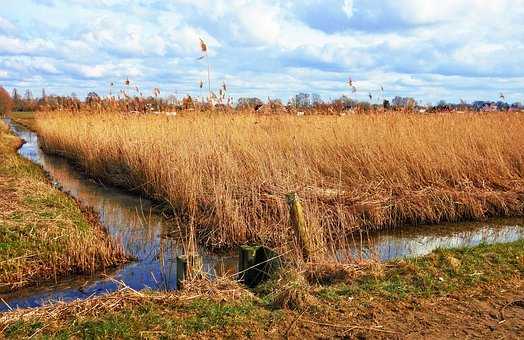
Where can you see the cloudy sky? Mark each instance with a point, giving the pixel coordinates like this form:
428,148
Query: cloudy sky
431,50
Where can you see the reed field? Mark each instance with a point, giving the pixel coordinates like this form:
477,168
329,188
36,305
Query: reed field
228,175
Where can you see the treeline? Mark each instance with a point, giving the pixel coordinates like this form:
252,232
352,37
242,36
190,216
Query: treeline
28,103
302,103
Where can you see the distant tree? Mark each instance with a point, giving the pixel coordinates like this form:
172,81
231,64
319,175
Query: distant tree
17,100
404,102
28,95
502,106
301,100
397,101
276,101
6,102
316,99
245,103
92,97
344,103
411,103
15,95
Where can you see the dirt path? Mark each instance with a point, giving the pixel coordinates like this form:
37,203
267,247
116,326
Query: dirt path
495,312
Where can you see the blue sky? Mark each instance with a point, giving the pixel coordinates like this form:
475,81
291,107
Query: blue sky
431,49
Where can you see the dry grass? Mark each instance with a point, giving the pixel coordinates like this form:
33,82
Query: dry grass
229,174
222,290
43,233
205,306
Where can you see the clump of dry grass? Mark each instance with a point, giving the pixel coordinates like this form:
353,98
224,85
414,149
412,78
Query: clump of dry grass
292,290
229,174
329,272
43,232
219,288
59,314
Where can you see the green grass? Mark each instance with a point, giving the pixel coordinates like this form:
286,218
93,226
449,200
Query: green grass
26,119
156,320
438,274
22,115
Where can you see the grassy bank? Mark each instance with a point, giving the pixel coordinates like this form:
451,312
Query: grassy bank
230,174
26,119
43,232
475,292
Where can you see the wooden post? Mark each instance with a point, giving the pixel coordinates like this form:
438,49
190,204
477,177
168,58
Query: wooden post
311,245
256,264
247,257
188,265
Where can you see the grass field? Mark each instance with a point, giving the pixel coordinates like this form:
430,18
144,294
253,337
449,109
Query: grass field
43,233
229,174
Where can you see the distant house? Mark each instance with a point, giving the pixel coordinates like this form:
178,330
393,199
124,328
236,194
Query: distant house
484,106
491,107
271,108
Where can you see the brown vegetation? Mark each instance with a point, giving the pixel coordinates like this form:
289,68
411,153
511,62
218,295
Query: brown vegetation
229,174
6,103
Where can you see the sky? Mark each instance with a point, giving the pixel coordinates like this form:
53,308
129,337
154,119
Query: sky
426,49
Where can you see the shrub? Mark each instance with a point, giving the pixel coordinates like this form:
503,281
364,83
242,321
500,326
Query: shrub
6,103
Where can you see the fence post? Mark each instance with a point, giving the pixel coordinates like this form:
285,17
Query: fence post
188,266
256,264
311,245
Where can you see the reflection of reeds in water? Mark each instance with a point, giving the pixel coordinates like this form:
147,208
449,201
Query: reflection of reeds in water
417,241
133,222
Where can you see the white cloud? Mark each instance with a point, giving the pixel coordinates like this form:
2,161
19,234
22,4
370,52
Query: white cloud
6,26
347,7
17,46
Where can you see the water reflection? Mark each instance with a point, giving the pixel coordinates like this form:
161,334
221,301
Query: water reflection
422,240
142,230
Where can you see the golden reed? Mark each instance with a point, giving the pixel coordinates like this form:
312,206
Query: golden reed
229,174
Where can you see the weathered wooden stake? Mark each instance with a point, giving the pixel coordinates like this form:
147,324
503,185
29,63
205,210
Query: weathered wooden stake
256,264
187,265
310,245
247,257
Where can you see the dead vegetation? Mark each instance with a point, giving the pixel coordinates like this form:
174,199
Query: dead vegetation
229,175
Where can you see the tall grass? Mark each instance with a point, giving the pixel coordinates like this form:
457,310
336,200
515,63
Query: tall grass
229,174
